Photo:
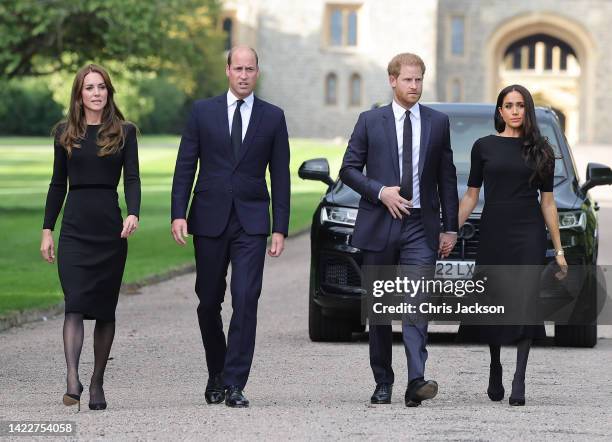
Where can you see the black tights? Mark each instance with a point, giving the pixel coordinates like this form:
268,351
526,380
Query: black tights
522,354
104,333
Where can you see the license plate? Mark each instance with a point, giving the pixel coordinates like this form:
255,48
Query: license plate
454,269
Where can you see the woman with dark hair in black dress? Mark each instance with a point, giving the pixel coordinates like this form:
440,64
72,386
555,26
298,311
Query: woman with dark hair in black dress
92,147
514,165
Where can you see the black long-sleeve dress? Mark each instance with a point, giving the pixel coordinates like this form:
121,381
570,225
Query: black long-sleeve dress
91,253
512,234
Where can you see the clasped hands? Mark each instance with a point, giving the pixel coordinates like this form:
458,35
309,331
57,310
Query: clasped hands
399,206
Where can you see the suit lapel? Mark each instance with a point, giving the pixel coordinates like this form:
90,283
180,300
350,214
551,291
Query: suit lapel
425,132
391,133
254,121
224,123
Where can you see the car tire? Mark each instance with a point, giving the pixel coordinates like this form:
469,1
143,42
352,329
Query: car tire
576,335
323,328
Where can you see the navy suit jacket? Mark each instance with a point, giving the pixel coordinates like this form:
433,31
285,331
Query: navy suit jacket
373,145
224,180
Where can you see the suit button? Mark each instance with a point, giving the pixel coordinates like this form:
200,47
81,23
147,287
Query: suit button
230,190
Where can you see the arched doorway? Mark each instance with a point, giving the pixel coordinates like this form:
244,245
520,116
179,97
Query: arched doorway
549,68
553,57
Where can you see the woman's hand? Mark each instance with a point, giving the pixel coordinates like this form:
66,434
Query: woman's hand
130,224
563,264
47,247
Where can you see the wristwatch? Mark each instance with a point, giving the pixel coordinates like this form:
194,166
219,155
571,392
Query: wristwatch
559,252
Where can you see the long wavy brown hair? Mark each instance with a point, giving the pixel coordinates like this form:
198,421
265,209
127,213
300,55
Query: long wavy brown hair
72,130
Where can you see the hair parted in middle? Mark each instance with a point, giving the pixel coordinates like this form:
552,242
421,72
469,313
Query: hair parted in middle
404,59
537,151
71,131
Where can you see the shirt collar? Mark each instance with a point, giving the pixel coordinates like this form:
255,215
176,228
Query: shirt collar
231,99
399,111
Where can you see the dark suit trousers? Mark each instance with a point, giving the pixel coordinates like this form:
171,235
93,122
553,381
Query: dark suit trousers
213,255
407,246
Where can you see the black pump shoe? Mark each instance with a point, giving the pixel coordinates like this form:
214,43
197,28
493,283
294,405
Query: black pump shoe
496,388
70,399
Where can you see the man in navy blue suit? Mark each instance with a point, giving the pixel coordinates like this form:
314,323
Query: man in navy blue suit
234,137
410,175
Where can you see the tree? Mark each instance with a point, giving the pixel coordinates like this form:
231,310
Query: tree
39,37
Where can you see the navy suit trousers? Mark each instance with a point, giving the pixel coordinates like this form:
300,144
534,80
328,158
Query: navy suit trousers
246,253
408,245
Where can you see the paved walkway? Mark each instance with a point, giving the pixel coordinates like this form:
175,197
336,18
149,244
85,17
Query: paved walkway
298,389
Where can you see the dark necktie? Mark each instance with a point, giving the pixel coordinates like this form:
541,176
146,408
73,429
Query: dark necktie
406,184
236,134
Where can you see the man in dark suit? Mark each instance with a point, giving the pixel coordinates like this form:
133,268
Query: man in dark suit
405,149
234,137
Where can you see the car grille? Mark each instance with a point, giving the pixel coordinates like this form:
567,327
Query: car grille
467,248
337,270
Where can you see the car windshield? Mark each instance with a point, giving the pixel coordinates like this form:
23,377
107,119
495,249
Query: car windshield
465,129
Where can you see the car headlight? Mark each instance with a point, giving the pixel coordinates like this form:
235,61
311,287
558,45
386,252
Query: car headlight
338,215
572,220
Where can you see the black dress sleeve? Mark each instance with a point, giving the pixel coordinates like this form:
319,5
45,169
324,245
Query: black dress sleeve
131,174
548,183
57,187
475,179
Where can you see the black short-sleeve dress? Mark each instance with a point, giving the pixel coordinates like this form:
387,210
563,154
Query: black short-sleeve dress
91,253
512,233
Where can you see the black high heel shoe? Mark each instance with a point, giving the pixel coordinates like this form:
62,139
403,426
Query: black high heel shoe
517,397
496,388
97,405
70,399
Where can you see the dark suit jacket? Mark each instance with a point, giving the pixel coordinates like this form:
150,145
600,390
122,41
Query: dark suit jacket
224,180
373,144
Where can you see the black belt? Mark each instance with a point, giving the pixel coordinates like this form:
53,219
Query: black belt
92,186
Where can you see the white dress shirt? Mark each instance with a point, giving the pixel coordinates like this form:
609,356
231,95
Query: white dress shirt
245,110
399,114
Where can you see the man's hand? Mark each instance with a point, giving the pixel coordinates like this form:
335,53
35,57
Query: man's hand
179,231
47,247
447,242
277,245
130,224
397,205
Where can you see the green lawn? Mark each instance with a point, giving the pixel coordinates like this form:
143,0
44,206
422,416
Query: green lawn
26,281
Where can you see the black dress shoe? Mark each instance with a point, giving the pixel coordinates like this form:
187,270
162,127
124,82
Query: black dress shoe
382,394
234,397
419,390
215,390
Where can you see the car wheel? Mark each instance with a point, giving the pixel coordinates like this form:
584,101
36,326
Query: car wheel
323,328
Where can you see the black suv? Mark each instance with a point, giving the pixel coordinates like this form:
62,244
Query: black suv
335,278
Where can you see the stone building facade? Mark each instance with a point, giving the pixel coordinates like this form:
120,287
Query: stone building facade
324,61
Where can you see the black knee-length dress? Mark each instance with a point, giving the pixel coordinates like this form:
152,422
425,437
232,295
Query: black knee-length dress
512,233
91,253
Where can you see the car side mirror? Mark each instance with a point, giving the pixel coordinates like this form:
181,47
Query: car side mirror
597,175
316,169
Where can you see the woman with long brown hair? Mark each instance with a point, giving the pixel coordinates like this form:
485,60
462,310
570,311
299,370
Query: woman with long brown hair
91,149
516,166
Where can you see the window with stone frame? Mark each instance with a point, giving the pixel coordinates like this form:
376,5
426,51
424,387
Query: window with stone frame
331,89
342,25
